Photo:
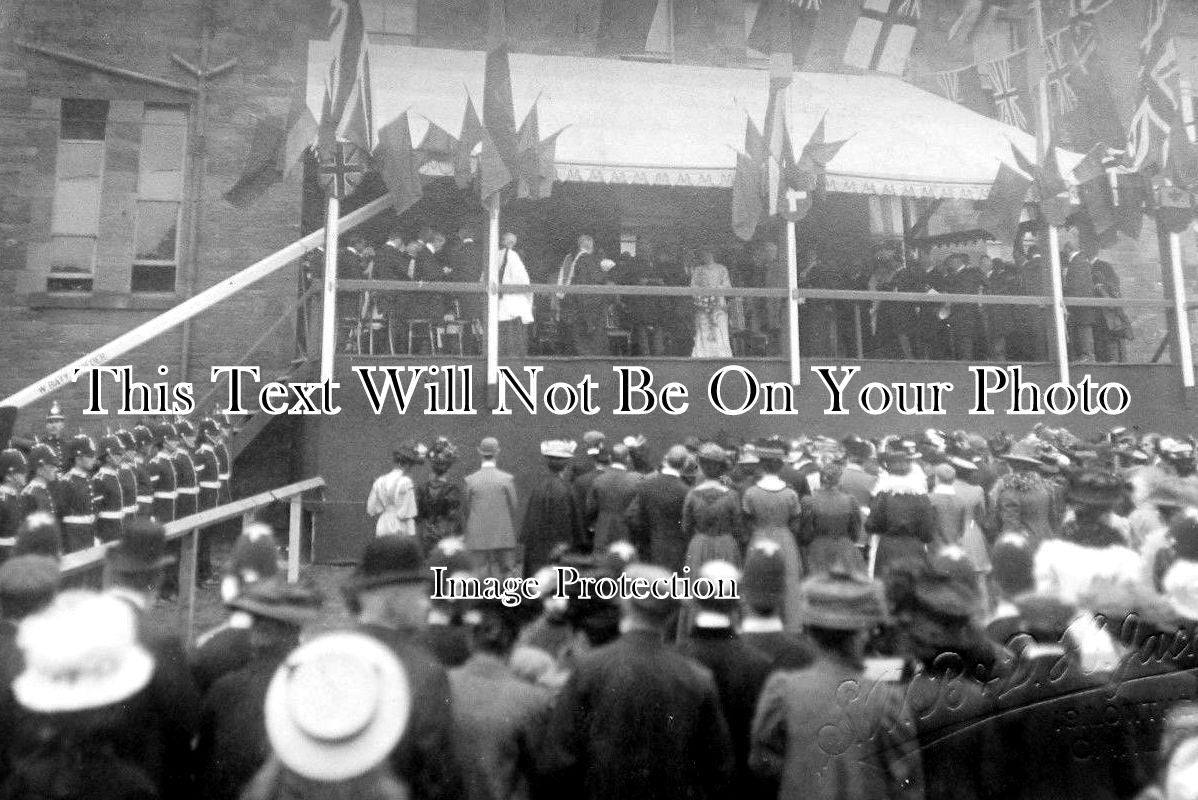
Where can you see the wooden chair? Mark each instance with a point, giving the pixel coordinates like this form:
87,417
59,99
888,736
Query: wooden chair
425,328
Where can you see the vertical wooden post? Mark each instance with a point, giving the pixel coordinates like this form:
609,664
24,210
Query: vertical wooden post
328,337
295,517
493,300
792,305
1180,346
1043,142
188,557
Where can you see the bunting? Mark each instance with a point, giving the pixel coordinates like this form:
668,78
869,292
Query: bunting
1157,104
347,115
964,87
1007,81
400,164
882,36
1059,65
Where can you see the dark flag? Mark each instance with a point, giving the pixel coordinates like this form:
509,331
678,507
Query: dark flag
493,174
547,172
1131,193
347,114
746,196
1095,118
802,178
1004,205
261,169
499,113
625,26
784,26
401,170
1094,191
472,134
1054,192
754,142
528,158
438,144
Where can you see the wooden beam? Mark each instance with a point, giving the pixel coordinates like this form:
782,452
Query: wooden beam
110,69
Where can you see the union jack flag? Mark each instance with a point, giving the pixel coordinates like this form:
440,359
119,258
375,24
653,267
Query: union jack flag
1060,89
1007,90
347,115
1148,137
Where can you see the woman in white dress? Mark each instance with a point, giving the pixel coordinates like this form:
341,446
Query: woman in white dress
711,312
393,496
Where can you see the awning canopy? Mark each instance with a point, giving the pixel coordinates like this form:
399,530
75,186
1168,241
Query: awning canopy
680,125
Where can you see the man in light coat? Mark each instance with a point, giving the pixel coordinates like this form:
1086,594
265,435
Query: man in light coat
490,505
515,310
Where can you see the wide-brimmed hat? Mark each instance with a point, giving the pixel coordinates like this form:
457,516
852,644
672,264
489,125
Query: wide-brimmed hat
1024,451
443,451
28,580
337,706
141,548
558,448
410,451
1096,489
710,451
389,560
842,600
749,454
291,603
488,447
80,653
593,441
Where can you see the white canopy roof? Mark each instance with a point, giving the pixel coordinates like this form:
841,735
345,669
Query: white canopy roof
680,125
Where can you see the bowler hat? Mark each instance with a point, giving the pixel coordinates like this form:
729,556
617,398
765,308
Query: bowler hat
141,548
1096,489
488,447
647,603
27,580
389,560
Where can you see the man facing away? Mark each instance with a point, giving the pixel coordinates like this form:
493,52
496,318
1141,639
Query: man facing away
490,506
637,719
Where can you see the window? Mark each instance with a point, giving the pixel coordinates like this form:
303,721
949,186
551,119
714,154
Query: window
75,224
390,21
159,198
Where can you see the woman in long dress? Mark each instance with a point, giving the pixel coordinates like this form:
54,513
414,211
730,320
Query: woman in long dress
711,312
393,496
711,521
771,507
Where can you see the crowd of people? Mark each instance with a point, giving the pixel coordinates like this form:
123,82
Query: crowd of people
927,615
93,487
718,326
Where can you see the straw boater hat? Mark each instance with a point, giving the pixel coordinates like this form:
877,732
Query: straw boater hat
80,653
558,448
337,706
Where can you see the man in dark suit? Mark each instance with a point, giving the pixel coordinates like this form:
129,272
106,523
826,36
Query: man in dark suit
965,319
575,312
161,728
551,518
498,719
1079,282
428,264
638,719
740,670
655,513
389,595
232,743
467,264
763,592
609,497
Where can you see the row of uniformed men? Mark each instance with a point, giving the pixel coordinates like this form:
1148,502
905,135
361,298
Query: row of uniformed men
165,470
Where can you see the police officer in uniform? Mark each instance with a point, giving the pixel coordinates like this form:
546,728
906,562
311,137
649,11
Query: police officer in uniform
187,479
13,469
127,472
38,494
140,455
224,458
162,472
77,510
208,470
107,492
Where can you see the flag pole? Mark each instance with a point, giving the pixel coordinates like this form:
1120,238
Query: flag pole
328,332
493,299
792,283
1043,142
1181,314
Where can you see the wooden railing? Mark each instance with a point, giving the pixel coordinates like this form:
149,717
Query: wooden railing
87,566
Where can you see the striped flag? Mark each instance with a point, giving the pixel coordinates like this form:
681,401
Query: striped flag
1158,93
347,115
